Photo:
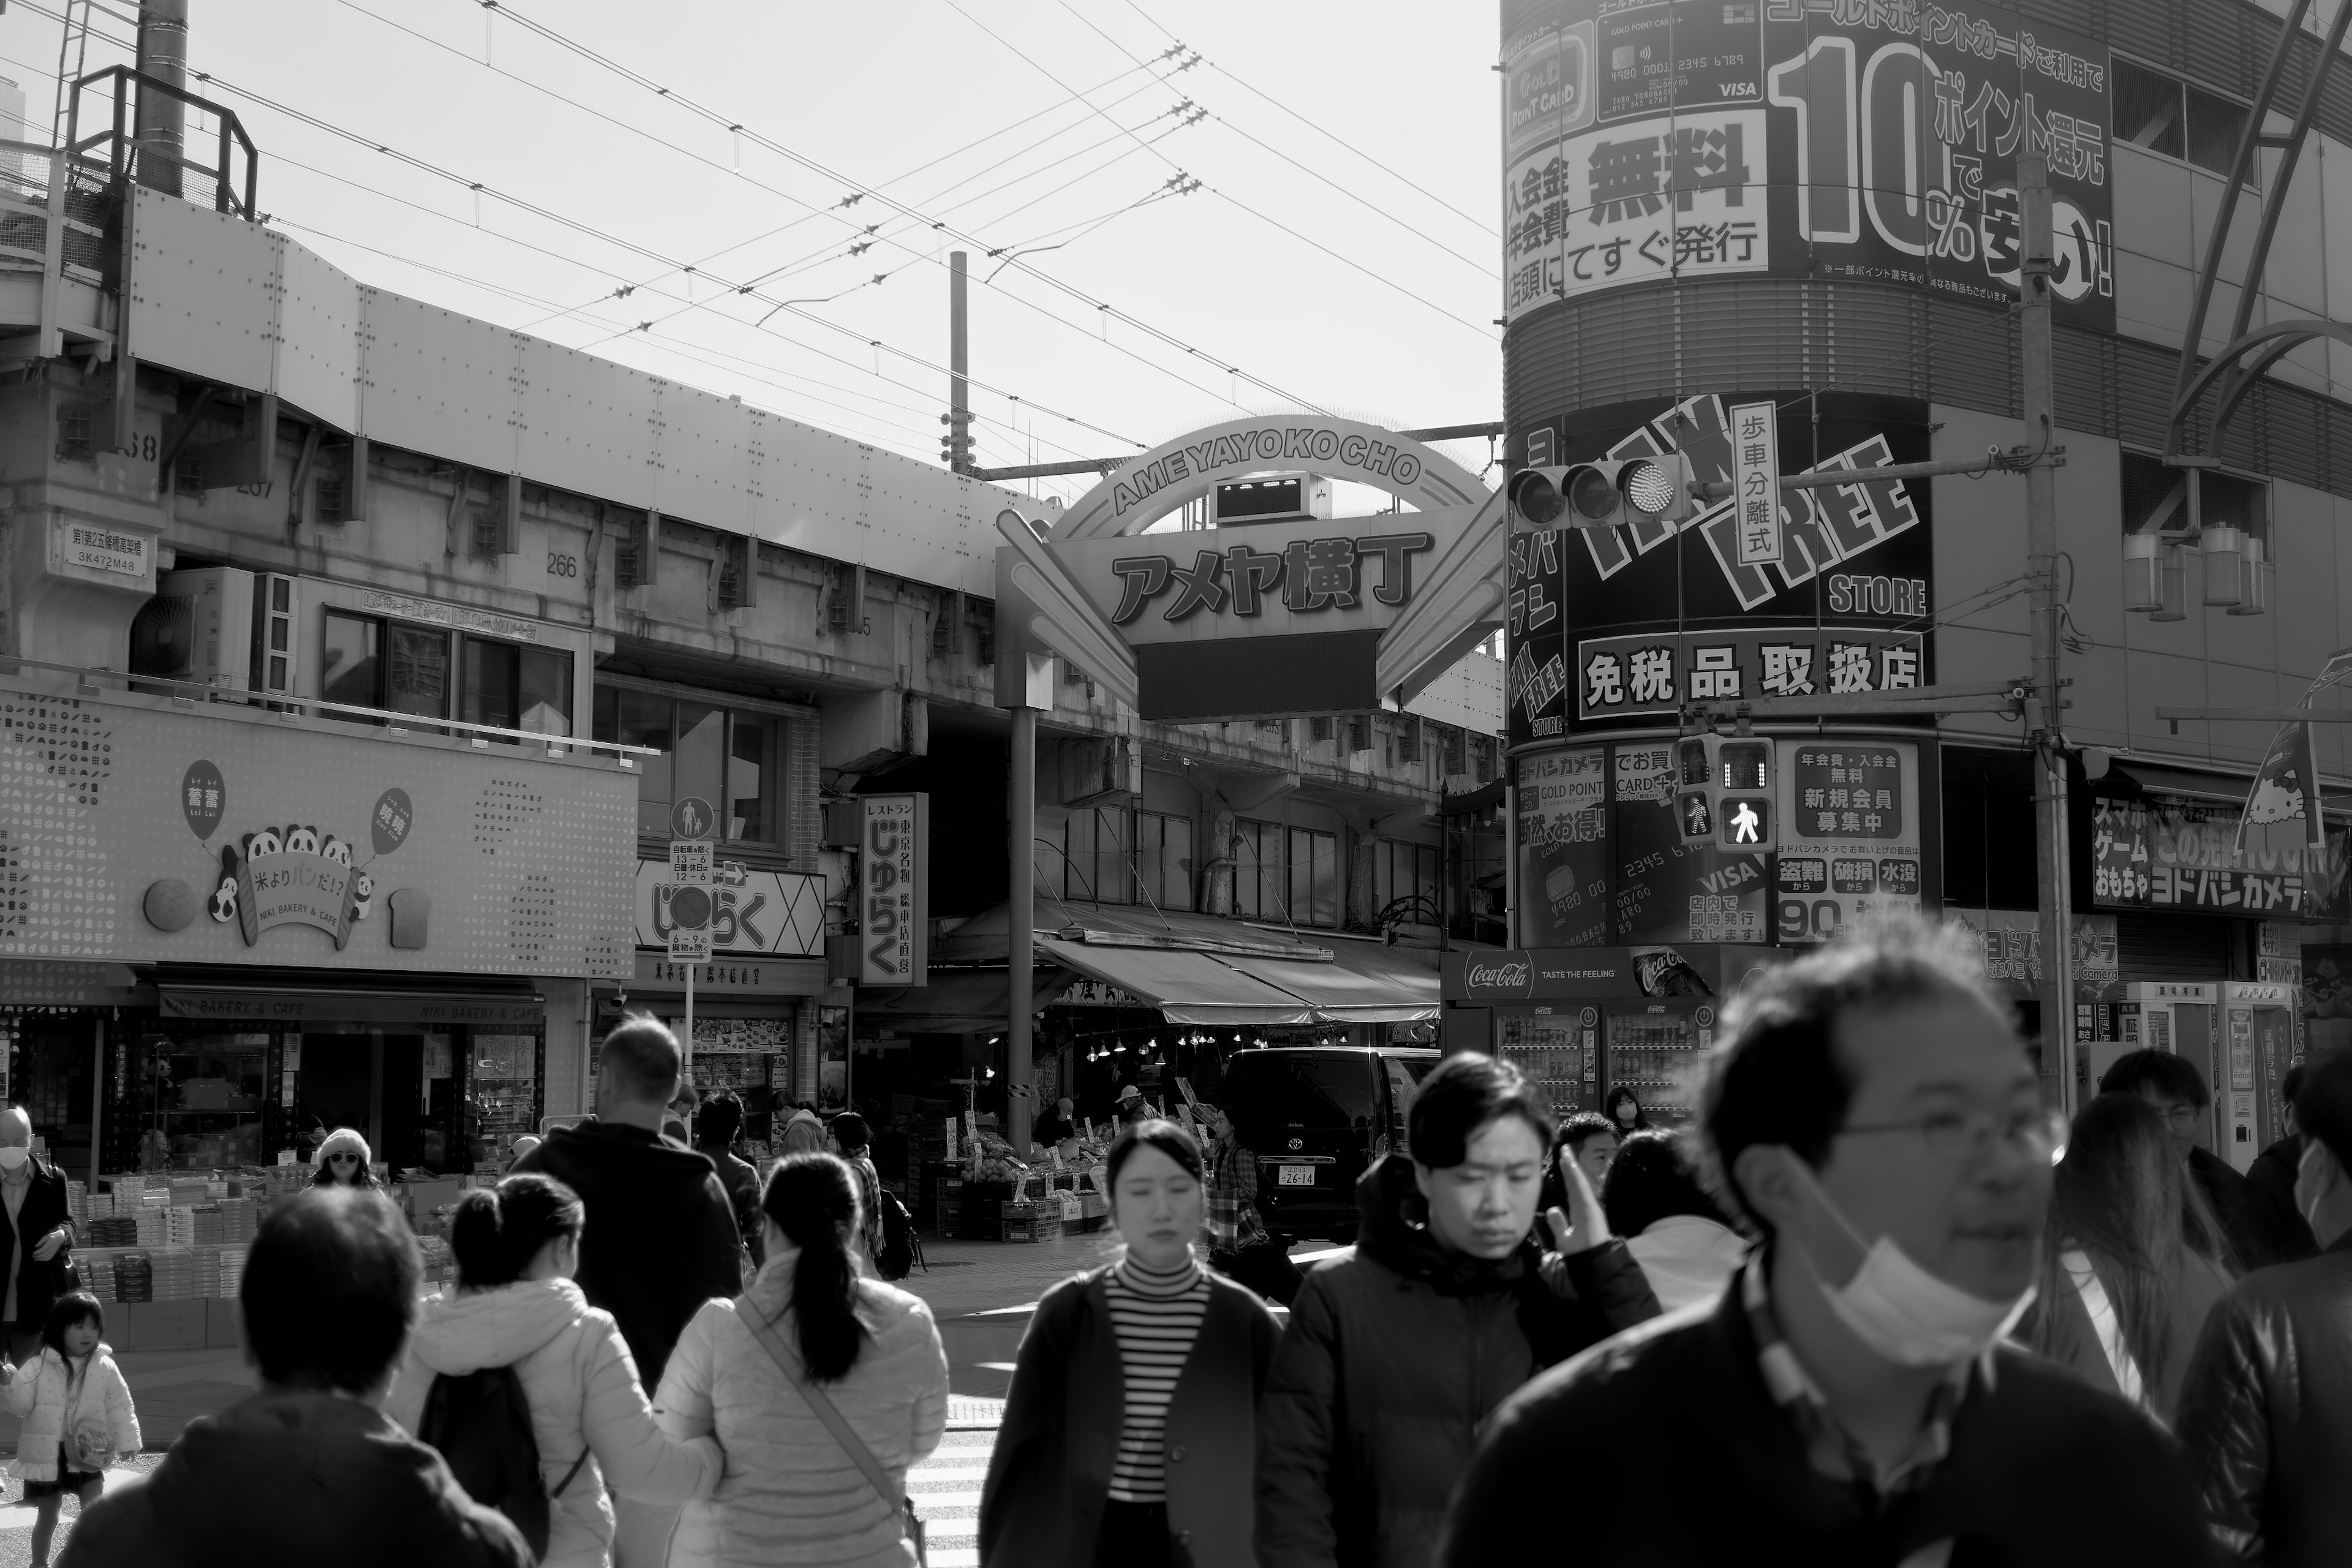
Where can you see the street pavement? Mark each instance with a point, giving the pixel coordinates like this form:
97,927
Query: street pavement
981,1294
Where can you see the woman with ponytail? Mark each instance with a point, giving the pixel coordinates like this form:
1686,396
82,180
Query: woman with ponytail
516,1306
813,1380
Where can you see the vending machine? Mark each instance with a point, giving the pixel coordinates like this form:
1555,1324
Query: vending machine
2174,1015
2258,1041
1554,1046
1657,1049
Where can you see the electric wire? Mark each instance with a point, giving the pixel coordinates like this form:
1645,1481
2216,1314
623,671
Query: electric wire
1348,261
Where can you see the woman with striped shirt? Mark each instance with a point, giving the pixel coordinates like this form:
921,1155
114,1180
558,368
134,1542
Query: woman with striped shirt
1130,1432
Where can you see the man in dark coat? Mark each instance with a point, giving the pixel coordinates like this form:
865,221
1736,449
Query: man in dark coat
2261,1230
309,1470
661,1234
36,1234
2274,1170
1398,1347
2263,1412
715,1127
1849,1399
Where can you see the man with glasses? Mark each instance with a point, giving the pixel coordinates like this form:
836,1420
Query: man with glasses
2260,1231
1872,1113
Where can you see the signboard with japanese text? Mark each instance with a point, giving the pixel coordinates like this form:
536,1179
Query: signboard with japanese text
137,832
1851,842
2168,853
1756,482
752,912
1652,139
2013,952
1562,810
1668,889
894,891
1664,614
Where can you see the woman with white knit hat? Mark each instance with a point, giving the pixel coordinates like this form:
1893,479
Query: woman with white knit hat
343,1161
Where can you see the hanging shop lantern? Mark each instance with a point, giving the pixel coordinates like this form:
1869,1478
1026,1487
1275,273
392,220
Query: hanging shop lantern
2224,549
2255,576
2172,573
2143,573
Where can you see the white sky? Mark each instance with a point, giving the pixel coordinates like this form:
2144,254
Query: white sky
873,91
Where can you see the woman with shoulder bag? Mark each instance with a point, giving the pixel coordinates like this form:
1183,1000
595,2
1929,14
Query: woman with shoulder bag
823,1388
1131,1433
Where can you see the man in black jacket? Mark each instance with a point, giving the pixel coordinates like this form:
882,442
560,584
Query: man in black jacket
2263,1410
1400,1346
661,1234
2259,1229
35,1234
1848,1400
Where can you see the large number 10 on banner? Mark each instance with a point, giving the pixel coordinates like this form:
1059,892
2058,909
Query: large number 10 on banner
1878,144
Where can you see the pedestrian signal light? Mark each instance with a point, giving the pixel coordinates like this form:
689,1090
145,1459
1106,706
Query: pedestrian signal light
1604,494
1724,791
1695,781
1744,766
1746,822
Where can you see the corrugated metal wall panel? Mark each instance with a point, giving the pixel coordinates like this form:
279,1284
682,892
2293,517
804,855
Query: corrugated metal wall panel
2172,947
2084,392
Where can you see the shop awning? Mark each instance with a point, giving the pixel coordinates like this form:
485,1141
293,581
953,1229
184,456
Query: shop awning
956,1001
1365,983
1187,987
289,1006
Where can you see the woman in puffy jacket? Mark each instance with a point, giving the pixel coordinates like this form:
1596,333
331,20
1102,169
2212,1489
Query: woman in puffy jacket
1128,1439
744,1369
1400,1346
516,1306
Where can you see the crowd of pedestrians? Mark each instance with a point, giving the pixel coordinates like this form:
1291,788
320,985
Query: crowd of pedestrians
1876,1304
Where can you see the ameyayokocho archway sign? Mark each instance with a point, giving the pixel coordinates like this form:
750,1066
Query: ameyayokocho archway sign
1264,619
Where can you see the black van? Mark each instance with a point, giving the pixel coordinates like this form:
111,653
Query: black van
1316,1116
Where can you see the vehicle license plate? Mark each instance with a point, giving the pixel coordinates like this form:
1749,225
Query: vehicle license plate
1296,1176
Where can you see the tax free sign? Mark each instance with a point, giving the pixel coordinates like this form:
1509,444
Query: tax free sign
1260,619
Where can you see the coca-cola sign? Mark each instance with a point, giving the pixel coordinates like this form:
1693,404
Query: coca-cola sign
1497,974
1488,976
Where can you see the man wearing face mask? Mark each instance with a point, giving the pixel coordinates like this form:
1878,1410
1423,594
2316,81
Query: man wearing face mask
2262,1413
35,1234
1850,1397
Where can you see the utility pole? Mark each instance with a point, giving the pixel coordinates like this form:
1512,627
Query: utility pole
1020,927
2044,709
958,416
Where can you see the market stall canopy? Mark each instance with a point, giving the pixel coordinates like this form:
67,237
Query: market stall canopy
1198,969
955,1002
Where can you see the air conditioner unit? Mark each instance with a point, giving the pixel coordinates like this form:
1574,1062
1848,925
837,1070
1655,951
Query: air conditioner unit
1270,497
275,665
198,627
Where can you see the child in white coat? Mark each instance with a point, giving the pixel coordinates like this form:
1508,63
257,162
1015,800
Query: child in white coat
76,1412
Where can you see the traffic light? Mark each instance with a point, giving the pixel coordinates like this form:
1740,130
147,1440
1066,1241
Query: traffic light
1724,791
1604,494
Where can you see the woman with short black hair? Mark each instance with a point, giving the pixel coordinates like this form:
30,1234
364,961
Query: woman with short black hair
1681,1236
1399,1347
1129,1434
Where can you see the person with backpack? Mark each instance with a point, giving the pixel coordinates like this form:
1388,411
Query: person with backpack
850,1131
529,1392
823,1388
715,1129
76,1412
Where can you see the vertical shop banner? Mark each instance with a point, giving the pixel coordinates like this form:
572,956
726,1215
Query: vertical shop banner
1851,846
895,883
1562,818
1669,890
2166,853
1797,138
2283,808
1609,624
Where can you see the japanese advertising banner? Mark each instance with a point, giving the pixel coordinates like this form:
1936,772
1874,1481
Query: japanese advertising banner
1849,605
895,890
2166,853
147,835
1562,805
1676,139
1851,840
1669,888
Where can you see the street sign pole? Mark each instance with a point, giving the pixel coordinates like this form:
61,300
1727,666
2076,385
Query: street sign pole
691,821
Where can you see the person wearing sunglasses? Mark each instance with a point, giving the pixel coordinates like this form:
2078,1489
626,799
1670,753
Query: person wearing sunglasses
343,1161
1852,1395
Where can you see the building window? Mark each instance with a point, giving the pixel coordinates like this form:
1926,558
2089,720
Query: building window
735,757
1095,847
1314,878
1404,881
1318,731
1257,871
1482,756
368,661
2167,115
1163,859
1457,753
330,498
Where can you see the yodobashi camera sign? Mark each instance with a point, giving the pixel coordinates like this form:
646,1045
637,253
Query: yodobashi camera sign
894,903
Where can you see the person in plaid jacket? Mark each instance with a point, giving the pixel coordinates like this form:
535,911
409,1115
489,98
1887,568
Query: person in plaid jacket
1238,1245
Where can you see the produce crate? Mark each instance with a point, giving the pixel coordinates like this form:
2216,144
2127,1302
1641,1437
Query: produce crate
1029,1225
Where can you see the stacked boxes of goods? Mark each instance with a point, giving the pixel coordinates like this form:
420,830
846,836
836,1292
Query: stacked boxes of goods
232,1271
134,1276
238,1218
96,1273
114,1231
174,1273
179,1226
